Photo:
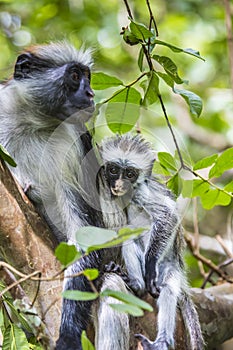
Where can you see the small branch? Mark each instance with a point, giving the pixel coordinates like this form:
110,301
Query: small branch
18,282
128,9
152,19
206,261
125,87
197,236
208,181
224,247
172,132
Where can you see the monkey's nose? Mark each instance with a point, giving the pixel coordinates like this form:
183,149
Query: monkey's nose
90,93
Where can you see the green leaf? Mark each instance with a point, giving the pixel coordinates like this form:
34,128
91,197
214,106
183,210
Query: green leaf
194,101
140,59
205,162
86,344
167,161
91,274
101,81
6,157
129,37
140,31
159,169
66,253
175,184
14,339
79,295
127,308
168,80
127,232
229,187
215,197
178,49
18,314
151,88
123,235
127,299
194,188
170,67
90,235
223,163
123,110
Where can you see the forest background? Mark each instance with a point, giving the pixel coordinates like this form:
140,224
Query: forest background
202,25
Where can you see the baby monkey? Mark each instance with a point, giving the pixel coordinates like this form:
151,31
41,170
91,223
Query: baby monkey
131,196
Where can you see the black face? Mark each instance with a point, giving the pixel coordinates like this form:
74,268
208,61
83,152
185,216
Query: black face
61,91
120,179
79,93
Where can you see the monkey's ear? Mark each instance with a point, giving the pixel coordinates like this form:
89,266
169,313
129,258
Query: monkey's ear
23,66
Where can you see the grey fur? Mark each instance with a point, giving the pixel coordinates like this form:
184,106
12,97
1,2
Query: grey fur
154,262
48,151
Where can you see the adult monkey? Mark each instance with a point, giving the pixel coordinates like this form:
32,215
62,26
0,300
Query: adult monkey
43,110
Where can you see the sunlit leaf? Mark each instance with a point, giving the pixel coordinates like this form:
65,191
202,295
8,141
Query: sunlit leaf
90,274
175,184
194,188
215,197
79,295
66,253
205,162
101,81
86,344
123,110
229,187
167,160
159,169
224,162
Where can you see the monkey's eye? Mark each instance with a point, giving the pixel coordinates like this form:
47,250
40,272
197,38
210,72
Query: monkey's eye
75,76
131,174
113,170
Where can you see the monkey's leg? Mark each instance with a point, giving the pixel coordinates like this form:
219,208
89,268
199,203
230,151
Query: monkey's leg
112,326
169,281
76,314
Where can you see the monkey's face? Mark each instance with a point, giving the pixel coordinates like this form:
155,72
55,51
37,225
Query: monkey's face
79,93
120,178
55,90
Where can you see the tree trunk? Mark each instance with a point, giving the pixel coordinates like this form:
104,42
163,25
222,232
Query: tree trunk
27,244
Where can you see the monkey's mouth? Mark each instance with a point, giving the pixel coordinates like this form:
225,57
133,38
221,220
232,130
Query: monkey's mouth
118,192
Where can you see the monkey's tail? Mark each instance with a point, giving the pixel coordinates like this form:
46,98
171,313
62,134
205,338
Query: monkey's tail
192,324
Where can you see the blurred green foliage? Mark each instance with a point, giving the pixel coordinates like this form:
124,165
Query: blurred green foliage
185,23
